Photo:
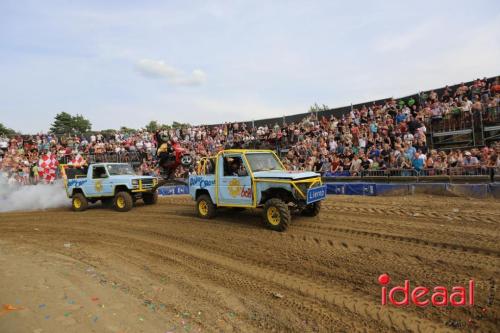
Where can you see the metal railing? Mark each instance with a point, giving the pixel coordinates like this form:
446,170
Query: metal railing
110,157
452,122
446,174
491,116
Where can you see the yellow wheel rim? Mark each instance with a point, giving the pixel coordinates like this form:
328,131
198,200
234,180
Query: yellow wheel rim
273,215
77,203
120,202
203,208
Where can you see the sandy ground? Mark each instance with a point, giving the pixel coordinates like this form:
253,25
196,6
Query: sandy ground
160,269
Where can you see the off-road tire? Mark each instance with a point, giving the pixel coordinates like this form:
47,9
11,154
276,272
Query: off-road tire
150,198
278,210
79,203
123,201
312,209
205,208
186,161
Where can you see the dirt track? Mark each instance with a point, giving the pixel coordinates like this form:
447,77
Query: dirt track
159,269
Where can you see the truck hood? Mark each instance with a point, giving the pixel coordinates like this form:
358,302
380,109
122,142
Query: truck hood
278,174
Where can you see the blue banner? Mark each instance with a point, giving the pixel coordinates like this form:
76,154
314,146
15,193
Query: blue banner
371,189
173,190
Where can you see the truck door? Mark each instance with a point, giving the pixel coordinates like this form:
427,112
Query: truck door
235,183
100,182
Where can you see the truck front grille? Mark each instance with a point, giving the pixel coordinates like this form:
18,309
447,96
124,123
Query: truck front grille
147,183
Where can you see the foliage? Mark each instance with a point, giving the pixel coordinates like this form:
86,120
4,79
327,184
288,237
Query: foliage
127,130
6,131
176,124
154,125
316,108
64,123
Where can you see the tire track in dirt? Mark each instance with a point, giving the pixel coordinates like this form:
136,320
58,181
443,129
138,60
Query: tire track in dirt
325,267
207,260
270,279
406,239
476,217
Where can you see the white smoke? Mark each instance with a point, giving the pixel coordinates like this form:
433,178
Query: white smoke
31,197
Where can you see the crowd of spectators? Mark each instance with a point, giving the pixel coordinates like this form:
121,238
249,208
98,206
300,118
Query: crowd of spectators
388,136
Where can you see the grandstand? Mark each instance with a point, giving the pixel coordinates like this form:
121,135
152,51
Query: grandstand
450,134
452,131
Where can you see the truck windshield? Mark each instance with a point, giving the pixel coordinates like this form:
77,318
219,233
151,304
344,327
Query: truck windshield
263,162
120,169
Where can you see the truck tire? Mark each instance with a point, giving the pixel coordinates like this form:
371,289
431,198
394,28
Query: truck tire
205,207
79,203
107,202
186,160
276,214
312,209
150,198
123,201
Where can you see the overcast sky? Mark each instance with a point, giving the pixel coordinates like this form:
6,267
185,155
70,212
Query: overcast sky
124,63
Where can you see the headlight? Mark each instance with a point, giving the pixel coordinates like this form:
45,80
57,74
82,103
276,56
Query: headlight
135,182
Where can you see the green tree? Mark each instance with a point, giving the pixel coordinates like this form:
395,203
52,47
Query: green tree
317,108
126,130
165,127
64,123
6,131
108,133
81,124
176,124
152,126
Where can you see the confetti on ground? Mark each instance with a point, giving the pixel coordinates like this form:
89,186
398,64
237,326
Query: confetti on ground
9,308
41,306
67,314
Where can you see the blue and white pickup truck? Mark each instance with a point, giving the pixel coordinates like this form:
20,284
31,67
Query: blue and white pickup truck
114,184
241,178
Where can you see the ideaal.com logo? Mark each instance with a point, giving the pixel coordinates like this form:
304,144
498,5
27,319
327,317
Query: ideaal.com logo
425,296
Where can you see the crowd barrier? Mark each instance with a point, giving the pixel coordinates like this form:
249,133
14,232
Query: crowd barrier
395,172
172,190
388,189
